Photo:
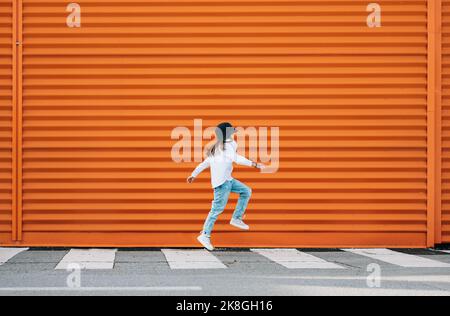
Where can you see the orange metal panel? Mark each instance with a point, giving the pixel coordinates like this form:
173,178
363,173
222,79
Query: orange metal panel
15,114
436,95
19,148
6,120
100,102
434,123
445,217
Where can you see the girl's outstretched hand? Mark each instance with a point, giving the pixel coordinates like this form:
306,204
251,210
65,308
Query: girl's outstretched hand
190,179
260,166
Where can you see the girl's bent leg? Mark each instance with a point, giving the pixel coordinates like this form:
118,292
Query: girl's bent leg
245,194
221,196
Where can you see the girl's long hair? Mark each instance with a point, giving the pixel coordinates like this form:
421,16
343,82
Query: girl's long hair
223,132
218,146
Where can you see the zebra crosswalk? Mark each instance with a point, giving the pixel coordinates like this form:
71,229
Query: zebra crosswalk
294,259
90,259
184,259
7,254
399,259
192,259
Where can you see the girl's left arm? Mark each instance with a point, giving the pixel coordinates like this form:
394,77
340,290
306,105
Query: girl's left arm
241,160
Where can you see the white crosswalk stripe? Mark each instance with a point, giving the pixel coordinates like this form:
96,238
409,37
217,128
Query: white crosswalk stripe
192,259
294,259
89,259
7,254
399,258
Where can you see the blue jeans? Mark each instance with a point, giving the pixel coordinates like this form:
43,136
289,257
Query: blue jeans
221,196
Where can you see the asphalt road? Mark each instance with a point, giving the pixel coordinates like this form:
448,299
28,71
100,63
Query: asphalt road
245,273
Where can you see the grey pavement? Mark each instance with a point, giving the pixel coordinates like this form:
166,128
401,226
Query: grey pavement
147,272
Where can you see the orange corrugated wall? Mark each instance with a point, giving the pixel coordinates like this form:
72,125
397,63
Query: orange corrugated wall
446,121
6,101
100,102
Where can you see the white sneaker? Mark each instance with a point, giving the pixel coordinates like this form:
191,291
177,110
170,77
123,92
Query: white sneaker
238,223
206,242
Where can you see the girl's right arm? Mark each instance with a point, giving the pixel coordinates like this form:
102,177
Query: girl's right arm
201,167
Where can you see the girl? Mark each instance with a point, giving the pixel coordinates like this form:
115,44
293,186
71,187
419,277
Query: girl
220,159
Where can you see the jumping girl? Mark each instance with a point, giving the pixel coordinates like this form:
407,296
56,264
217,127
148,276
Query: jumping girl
220,159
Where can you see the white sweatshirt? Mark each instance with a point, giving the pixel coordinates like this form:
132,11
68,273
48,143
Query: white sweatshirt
222,164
